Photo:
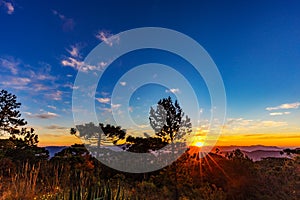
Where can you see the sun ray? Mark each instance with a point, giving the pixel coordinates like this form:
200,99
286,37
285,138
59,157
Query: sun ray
218,166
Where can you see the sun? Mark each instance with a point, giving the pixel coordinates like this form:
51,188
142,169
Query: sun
199,144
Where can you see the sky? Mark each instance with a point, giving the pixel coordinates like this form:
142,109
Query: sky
255,46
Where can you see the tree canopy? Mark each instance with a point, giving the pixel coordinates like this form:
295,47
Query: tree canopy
21,144
168,121
10,116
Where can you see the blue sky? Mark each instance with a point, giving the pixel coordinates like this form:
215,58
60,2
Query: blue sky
255,46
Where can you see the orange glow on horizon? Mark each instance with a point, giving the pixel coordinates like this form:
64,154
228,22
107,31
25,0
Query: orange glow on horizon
274,139
58,140
280,140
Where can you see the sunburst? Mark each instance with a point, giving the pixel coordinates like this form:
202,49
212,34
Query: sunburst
199,144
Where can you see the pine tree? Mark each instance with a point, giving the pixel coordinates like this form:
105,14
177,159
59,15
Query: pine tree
169,123
10,116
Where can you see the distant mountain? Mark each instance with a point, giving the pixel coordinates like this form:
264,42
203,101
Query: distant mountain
248,148
54,149
259,154
254,152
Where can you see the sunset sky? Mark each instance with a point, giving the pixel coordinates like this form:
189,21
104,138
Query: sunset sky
255,45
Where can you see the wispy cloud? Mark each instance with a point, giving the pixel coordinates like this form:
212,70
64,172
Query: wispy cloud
130,109
123,83
173,90
45,115
241,125
72,62
108,38
39,87
102,65
74,50
112,107
11,64
55,127
279,113
81,66
103,100
105,109
68,23
16,82
71,86
56,95
115,106
52,107
22,76
8,6
285,106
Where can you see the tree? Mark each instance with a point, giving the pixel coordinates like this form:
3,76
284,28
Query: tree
25,136
169,123
93,133
10,116
144,145
22,143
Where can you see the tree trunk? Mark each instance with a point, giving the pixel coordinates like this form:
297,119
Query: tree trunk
176,192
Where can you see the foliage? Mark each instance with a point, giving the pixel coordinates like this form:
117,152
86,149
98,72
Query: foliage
10,116
22,143
144,145
168,120
91,132
73,173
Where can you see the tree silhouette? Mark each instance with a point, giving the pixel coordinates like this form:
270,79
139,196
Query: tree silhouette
27,136
144,145
10,116
93,133
169,123
22,143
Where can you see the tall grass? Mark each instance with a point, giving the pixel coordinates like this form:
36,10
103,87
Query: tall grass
41,181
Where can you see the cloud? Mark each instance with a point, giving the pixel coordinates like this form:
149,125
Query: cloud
72,62
130,109
285,106
103,100
102,65
81,66
108,38
8,7
115,106
240,125
112,107
71,86
16,82
279,113
11,64
68,23
74,51
26,74
46,115
52,107
39,87
123,83
173,90
272,123
54,126
54,95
